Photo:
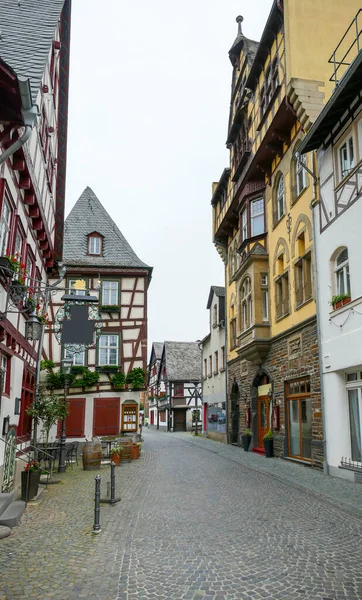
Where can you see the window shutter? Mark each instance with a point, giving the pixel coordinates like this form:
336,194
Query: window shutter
278,298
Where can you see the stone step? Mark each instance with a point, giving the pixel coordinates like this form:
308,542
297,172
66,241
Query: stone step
4,531
12,515
5,500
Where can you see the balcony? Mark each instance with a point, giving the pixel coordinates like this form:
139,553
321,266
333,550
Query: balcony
254,343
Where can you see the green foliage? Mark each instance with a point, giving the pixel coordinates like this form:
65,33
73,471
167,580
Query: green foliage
48,409
88,379
57,380
142,406
136,378
269,435
116,450
78,369
247,432
339,297
118,380
47,365
111,368
105,307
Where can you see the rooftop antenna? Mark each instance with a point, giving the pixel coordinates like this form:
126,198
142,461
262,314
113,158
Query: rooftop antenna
239,21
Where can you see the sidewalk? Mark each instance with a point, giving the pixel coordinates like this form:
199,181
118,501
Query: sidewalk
345,494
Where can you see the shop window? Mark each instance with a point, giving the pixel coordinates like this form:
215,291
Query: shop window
299,413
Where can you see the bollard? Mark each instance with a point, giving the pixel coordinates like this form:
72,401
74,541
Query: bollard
112,499
108,488
97,505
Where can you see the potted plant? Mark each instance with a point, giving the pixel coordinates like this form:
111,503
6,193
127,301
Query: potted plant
135,451
246,439
340,300
116,453
30,479
107,368
136,378
118,380
110,308
268,443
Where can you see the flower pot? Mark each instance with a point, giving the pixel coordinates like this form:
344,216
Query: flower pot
268,446
246,439
34,479
135,452
342,302
116,458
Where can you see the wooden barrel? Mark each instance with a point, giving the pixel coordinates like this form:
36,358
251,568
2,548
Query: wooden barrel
92,455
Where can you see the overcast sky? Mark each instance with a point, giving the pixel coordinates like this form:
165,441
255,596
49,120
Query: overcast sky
149,102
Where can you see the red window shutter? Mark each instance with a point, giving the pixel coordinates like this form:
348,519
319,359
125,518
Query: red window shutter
75,418
106,419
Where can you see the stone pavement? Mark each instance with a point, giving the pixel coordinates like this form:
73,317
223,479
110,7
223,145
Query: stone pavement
197,521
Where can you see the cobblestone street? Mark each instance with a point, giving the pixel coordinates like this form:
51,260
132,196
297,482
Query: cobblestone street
197,520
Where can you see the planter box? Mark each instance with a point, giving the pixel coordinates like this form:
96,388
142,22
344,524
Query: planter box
341,303
113,309
106,370
34,479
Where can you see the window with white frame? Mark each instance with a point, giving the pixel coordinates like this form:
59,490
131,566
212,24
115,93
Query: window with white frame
4,226
300,174
346,157
244,225
95,245
77,358
264,297
354,394
75,287
246,304
342,273
257,216
108,350
110,293
280,198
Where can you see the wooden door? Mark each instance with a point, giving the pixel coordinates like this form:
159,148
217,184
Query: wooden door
179,420
152,416
263,418
75,419
106,416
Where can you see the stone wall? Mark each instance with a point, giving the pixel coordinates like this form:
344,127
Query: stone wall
291,356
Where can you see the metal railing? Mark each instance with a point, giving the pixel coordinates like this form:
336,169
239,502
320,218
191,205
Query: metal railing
353,465
347,49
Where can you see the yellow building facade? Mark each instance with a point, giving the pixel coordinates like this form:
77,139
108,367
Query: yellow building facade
262,226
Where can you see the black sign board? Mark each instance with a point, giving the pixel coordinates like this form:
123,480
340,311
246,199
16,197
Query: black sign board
78,329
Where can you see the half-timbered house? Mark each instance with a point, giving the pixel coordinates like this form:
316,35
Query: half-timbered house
180,373
154,391
337,212
34,69
100,261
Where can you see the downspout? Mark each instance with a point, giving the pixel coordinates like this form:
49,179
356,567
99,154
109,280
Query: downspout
29,113
315,269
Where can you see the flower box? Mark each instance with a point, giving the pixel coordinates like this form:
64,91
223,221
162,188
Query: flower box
341,302
110,308
107,368
31,479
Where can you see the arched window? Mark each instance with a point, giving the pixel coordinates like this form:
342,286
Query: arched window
280,198
246,304
342,273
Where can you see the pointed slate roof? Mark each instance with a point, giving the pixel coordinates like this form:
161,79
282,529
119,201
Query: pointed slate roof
218,291
87,216
27,30
182,360
157,348
250,46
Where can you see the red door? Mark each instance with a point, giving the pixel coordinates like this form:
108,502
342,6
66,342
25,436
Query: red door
152,415
106,416
75,419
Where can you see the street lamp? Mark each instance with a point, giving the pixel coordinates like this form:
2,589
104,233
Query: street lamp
33,328
66,369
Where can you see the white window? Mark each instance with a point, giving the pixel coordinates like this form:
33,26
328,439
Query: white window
110,293
4,227
77,358
346,157
4,371
75,287
108,350
257,216
280,199
244,225
354,394
95,245
264,297
300,176
342,273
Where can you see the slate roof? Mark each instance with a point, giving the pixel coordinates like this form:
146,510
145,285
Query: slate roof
218,291
27,32
87,216
182,360
250,46
157,347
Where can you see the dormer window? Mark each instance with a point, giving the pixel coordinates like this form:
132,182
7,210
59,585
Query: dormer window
95,244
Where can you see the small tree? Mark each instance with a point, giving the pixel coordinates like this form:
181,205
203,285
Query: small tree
48,409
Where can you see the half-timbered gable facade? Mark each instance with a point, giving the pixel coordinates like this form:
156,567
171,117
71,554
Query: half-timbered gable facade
34,70
100,260
263,231
180,374
214,367
154,392
337,137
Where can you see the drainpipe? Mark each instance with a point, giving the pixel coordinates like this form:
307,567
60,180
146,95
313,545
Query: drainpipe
29,113
315,269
